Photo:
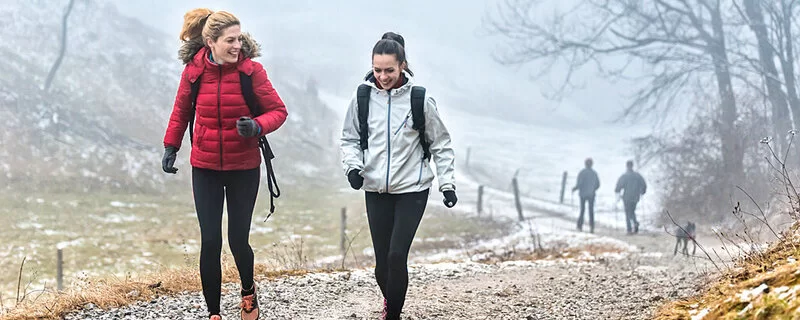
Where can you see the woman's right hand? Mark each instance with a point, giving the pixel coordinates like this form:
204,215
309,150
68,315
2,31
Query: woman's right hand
168,161
355,179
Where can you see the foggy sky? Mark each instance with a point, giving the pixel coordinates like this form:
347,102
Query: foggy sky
445,42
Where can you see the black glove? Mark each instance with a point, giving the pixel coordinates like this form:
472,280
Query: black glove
247,127
450,198
356,180
168,162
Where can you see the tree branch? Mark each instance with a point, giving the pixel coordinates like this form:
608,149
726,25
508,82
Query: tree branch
51,75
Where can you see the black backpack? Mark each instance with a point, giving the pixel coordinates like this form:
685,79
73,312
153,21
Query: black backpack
417,114
255,109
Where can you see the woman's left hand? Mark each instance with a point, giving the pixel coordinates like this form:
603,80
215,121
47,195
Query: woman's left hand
247,127
450,198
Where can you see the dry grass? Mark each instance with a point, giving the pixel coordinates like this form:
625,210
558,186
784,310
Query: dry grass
582,252
280,251
777,268
116,292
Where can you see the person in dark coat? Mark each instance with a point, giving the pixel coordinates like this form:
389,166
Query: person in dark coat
633,186
587,186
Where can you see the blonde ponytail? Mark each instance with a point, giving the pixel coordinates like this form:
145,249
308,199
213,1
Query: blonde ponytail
193,23
203,22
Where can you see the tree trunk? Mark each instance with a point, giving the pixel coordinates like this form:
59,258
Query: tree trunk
787,63
732,151
781,119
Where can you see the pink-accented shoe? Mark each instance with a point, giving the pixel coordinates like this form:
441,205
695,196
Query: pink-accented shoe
385,310
249,305
215,317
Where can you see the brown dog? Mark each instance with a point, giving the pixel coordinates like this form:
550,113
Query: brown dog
684,235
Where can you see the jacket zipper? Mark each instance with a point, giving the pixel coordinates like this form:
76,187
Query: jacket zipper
388,139
219,115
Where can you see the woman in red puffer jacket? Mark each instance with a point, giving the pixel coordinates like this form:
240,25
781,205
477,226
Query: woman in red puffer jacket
225,157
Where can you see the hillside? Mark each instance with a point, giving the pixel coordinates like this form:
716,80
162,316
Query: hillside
761,285
101,124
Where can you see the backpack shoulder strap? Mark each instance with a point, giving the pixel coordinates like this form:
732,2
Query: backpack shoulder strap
249,95
418,115
362,97
195,88
246,82
418,107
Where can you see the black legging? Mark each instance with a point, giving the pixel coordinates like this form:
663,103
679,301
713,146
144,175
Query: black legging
393,221
210,189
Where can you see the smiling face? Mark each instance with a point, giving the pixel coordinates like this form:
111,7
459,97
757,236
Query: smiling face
226,48
387,69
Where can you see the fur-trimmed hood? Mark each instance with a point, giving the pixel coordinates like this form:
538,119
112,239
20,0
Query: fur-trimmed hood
250,48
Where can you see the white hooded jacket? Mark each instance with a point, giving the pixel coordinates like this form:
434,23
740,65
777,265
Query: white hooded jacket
393,161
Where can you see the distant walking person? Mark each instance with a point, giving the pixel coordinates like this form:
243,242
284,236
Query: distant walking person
225,155
587,186
634,187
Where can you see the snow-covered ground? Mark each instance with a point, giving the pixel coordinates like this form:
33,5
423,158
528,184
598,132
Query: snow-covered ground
541,154
498,148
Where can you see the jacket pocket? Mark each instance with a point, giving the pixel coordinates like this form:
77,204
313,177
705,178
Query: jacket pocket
403,125
421,166
199,132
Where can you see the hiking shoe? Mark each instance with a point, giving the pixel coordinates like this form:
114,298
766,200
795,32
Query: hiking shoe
385,310
636,227
215,317
249,305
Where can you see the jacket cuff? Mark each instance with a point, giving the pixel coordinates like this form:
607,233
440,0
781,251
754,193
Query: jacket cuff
447,187
347,173
167,145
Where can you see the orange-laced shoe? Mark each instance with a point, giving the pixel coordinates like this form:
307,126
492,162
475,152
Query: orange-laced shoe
249,305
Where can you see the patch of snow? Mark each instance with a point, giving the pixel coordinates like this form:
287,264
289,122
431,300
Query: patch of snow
29,225
66,244
651,269
749,295
260,230
700,315
785,293
368,251
116,218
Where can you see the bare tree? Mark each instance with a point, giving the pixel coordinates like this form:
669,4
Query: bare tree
63,50
691,170
682,42
781,119
783,14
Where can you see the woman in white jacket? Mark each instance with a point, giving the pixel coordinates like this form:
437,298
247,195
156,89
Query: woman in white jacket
384,154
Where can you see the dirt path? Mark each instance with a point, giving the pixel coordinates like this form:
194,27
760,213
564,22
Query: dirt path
631,285
627,286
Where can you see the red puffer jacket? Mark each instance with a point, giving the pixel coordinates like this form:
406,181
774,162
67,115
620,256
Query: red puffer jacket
217,144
